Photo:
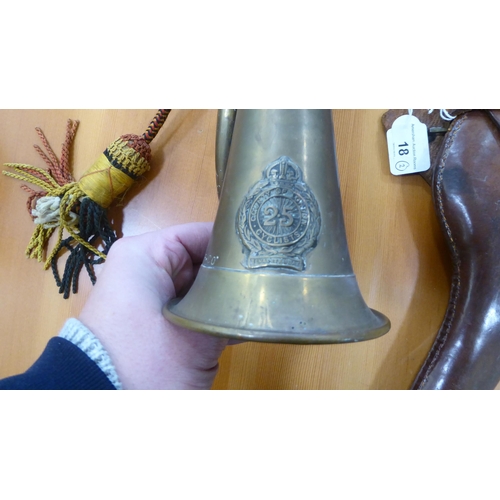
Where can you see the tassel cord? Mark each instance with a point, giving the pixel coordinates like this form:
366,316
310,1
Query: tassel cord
94,225
79,207
44,181
156,124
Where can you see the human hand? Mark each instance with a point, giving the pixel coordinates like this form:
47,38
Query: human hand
124,310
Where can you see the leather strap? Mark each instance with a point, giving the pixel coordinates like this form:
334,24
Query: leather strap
465,181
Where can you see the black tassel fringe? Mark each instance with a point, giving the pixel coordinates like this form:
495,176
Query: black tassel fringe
94,228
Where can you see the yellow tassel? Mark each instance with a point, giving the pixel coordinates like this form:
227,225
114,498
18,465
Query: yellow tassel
113,173
78,208
38,242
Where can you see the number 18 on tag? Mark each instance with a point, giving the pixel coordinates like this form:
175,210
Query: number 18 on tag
408,145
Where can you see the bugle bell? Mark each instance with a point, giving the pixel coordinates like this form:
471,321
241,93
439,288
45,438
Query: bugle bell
277,267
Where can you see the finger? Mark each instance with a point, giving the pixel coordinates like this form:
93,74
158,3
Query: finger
182,244
194,237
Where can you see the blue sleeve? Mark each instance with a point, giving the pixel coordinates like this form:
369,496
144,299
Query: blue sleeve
62,366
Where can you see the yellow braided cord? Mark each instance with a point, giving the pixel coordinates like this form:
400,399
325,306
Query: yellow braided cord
68,202
22,174
70,199
48,261
38,242
104,182
77,238
70,195
110,176
41,234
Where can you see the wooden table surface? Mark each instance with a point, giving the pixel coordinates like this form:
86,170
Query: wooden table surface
396,246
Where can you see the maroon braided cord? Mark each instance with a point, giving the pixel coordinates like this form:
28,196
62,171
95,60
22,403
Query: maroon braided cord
156,124
58,170
63,173
53,162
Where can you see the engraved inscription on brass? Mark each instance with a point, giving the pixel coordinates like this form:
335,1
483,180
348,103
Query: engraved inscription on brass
279,220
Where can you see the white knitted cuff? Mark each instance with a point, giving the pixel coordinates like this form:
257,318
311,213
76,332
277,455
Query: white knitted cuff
77,333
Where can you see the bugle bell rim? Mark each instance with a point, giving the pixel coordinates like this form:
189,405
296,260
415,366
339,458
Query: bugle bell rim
266,336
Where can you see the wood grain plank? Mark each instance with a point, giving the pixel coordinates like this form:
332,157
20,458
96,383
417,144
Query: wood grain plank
396,247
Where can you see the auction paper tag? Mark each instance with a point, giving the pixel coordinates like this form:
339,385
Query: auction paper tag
408,145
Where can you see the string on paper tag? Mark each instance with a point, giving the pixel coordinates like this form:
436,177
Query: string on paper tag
444,115
408,145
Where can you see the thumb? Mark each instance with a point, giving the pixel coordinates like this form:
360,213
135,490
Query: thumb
178,247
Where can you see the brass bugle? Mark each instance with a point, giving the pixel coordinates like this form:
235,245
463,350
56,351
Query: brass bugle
277,267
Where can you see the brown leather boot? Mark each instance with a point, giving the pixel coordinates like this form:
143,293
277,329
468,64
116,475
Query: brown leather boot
465,182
